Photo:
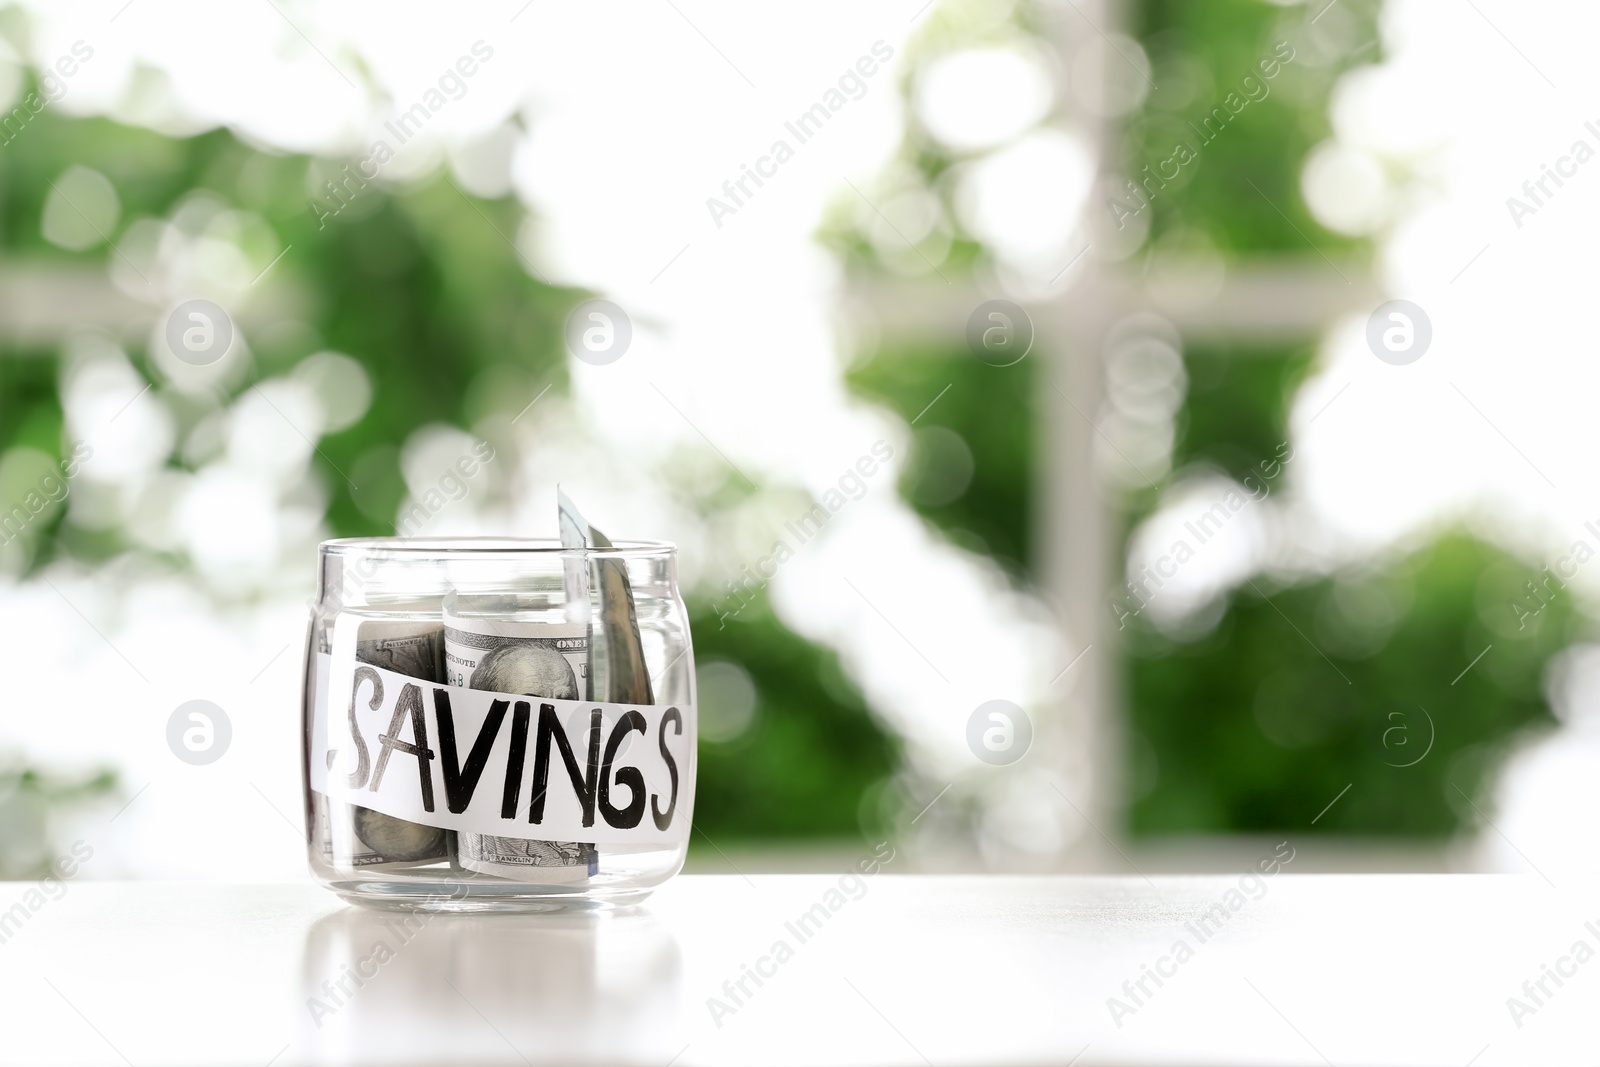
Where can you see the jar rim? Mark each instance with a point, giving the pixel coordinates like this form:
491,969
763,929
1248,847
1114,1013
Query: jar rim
447,546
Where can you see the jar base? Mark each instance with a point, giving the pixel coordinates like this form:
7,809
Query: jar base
466,898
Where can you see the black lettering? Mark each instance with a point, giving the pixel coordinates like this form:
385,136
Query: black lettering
583,780
461,781
358,777
623,818
514,759
664,818
410,702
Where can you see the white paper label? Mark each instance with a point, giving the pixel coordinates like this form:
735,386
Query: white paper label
504,764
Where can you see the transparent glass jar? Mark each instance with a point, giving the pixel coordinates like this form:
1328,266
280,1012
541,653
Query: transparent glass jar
497,724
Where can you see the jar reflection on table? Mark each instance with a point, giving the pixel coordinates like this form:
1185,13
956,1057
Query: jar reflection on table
440,988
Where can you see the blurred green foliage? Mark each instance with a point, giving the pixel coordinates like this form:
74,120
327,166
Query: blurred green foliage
422,286
977,490
29,798
30,411
1242,192
805,765
1235,416
1261,712
1355,680
1237,411
1256,722
1285,696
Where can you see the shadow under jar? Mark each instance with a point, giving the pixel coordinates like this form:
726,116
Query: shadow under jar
497,724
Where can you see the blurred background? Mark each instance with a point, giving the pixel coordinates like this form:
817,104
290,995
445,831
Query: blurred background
1245,571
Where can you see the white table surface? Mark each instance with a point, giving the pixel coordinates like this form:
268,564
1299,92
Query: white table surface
1386,969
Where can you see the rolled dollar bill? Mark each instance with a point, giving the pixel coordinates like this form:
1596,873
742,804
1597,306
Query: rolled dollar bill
536,659
626,679
317,682
412,648
353,836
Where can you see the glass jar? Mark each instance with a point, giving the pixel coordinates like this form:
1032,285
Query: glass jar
497,724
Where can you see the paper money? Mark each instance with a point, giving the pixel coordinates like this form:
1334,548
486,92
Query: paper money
541,659
322,642
322,826
493,855
626,679
354,836
412,648
536,659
